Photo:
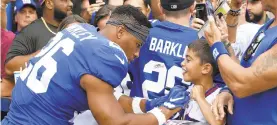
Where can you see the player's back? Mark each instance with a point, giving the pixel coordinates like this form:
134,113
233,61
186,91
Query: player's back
159,62
48,90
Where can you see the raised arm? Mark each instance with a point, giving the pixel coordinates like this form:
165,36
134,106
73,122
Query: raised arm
243,82
259,77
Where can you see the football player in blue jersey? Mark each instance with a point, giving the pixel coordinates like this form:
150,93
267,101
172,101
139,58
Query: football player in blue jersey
253,84
159,64
78,69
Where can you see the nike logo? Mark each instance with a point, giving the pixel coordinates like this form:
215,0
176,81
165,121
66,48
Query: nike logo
121,60
174,100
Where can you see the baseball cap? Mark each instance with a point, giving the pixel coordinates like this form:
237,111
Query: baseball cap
175,5
20,4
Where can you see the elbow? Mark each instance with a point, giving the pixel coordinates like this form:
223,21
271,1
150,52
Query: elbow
239,90
8,70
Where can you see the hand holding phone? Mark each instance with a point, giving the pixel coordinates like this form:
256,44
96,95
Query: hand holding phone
201,11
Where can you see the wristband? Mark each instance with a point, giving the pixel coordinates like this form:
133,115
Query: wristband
234,12
117,95
218,49
159,115
225,89
136,105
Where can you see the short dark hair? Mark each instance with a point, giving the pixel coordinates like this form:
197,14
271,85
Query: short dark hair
130,14
69,20
202,50
102,13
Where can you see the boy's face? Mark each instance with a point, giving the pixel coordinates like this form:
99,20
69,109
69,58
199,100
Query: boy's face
193,69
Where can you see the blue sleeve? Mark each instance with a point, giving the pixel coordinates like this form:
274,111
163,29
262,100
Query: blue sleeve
92,18
102,61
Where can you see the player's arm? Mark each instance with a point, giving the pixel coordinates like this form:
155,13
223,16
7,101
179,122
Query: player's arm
259,77
19,52
128,104
107,110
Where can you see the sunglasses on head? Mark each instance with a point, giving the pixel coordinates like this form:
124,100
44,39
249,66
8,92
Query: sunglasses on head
253,46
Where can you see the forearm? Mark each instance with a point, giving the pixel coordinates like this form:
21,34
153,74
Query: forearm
232,53
3,16
232,31
233,74
205,108
15,63
126,103
6,88
232,23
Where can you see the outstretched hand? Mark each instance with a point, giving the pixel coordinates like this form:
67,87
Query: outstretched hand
177,98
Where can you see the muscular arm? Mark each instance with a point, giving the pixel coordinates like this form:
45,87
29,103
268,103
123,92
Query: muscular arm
16,62
259,77
107,110
232,54
205,108
126,104
23,48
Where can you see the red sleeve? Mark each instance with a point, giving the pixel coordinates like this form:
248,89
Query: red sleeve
6,41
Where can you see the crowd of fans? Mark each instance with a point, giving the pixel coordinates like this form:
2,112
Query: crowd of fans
216,77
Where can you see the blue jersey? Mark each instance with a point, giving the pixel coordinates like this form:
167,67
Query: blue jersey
159,63
261,108
48,90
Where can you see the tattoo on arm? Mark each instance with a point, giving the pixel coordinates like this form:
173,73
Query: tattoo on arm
269,61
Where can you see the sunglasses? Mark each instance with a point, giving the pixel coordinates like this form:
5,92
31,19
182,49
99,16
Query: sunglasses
253,46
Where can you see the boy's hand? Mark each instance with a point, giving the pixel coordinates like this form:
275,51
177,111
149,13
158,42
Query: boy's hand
197,92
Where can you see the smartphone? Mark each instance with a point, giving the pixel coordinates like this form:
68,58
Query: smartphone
92,2
201,11
222,9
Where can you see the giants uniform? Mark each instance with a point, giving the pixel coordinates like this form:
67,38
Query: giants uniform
49,92
159,63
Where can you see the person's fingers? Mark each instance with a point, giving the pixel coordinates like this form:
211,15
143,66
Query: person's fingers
230,106
221,111
199,21
214,108
212,23
196,26
97,4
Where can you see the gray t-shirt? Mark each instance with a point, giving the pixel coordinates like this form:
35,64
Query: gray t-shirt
31,39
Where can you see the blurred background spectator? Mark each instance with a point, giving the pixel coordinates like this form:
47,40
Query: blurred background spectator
32,38
26,13
256,13
102,16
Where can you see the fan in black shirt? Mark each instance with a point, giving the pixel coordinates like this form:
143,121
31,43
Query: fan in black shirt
36,35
